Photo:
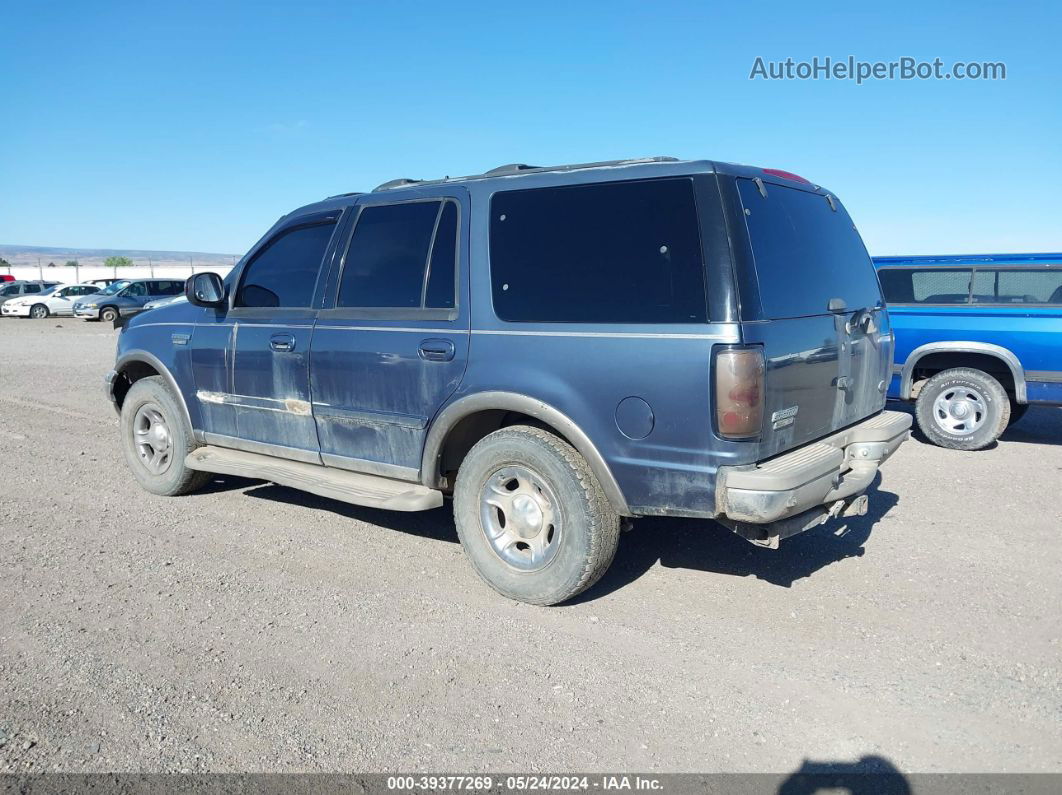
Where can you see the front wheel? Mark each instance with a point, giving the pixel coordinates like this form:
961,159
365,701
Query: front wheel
156,437
532,517
108,314
39,311
962,409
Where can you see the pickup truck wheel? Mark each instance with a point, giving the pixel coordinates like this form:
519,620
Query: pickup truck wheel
39,311
108,314
156,438
532,517
962,409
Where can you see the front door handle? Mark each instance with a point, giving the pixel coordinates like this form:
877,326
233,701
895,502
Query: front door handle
436,350
282,343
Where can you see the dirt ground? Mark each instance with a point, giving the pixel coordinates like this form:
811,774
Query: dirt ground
253,627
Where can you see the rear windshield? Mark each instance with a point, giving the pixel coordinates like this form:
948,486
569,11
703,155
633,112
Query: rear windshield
806,253
613,252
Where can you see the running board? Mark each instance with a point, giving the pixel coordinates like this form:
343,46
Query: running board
337,484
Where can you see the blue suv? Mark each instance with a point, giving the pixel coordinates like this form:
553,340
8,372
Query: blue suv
557,349
978,340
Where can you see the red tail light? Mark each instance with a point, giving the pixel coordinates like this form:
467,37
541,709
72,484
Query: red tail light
739,392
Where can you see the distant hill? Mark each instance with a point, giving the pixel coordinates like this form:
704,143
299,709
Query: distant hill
29,255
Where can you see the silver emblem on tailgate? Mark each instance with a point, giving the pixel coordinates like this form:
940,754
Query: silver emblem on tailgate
784,417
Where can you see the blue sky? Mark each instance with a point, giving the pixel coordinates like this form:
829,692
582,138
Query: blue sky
193,126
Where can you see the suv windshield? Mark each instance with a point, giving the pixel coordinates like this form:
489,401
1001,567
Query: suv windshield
806,252
113,288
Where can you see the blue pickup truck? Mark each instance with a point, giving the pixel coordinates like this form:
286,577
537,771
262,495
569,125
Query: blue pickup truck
978,340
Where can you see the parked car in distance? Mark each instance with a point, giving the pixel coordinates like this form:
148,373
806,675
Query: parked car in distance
560,349
126,297
22,287
57,301
978,340
6,277
101,283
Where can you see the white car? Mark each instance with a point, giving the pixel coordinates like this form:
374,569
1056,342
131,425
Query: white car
57,301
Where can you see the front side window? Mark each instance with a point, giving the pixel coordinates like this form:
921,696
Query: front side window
284,273
401,256
931,286
11,289
613,252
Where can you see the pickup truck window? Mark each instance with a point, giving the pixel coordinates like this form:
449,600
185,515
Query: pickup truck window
613,252
401,256
284,273
1017,286
931,286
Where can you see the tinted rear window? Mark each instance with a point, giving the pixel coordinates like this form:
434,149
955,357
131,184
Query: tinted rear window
615,252
930,286
806,253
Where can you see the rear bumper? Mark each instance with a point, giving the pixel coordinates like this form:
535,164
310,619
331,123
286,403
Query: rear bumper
813,482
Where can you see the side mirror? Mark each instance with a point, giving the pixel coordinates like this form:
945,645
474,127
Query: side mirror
205,289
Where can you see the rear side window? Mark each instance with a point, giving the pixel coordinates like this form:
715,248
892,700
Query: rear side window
1015,286
614,252
401,256
806,253
284,273
932,286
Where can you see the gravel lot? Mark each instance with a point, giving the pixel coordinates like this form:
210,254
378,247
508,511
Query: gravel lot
253,627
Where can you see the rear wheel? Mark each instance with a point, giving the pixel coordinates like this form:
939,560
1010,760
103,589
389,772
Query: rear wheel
532,517
156,438
962,409
108,314
39,311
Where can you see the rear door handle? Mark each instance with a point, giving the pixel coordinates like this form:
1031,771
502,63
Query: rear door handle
436,350
282,343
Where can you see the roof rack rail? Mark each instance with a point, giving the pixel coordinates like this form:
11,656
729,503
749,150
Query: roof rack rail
509,168
344,195
396,183
514,169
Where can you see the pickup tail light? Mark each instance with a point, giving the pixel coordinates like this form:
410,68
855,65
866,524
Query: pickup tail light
739,392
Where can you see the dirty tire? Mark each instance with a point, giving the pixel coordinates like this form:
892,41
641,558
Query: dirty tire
996,408
177,478
1017,411
589,526
108,314
38,311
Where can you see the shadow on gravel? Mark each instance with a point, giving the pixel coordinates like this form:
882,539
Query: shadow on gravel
1040,425
437,524
868,775
698,544
703,545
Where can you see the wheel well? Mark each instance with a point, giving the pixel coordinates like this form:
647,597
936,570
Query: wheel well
469,430
933,363
129,375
